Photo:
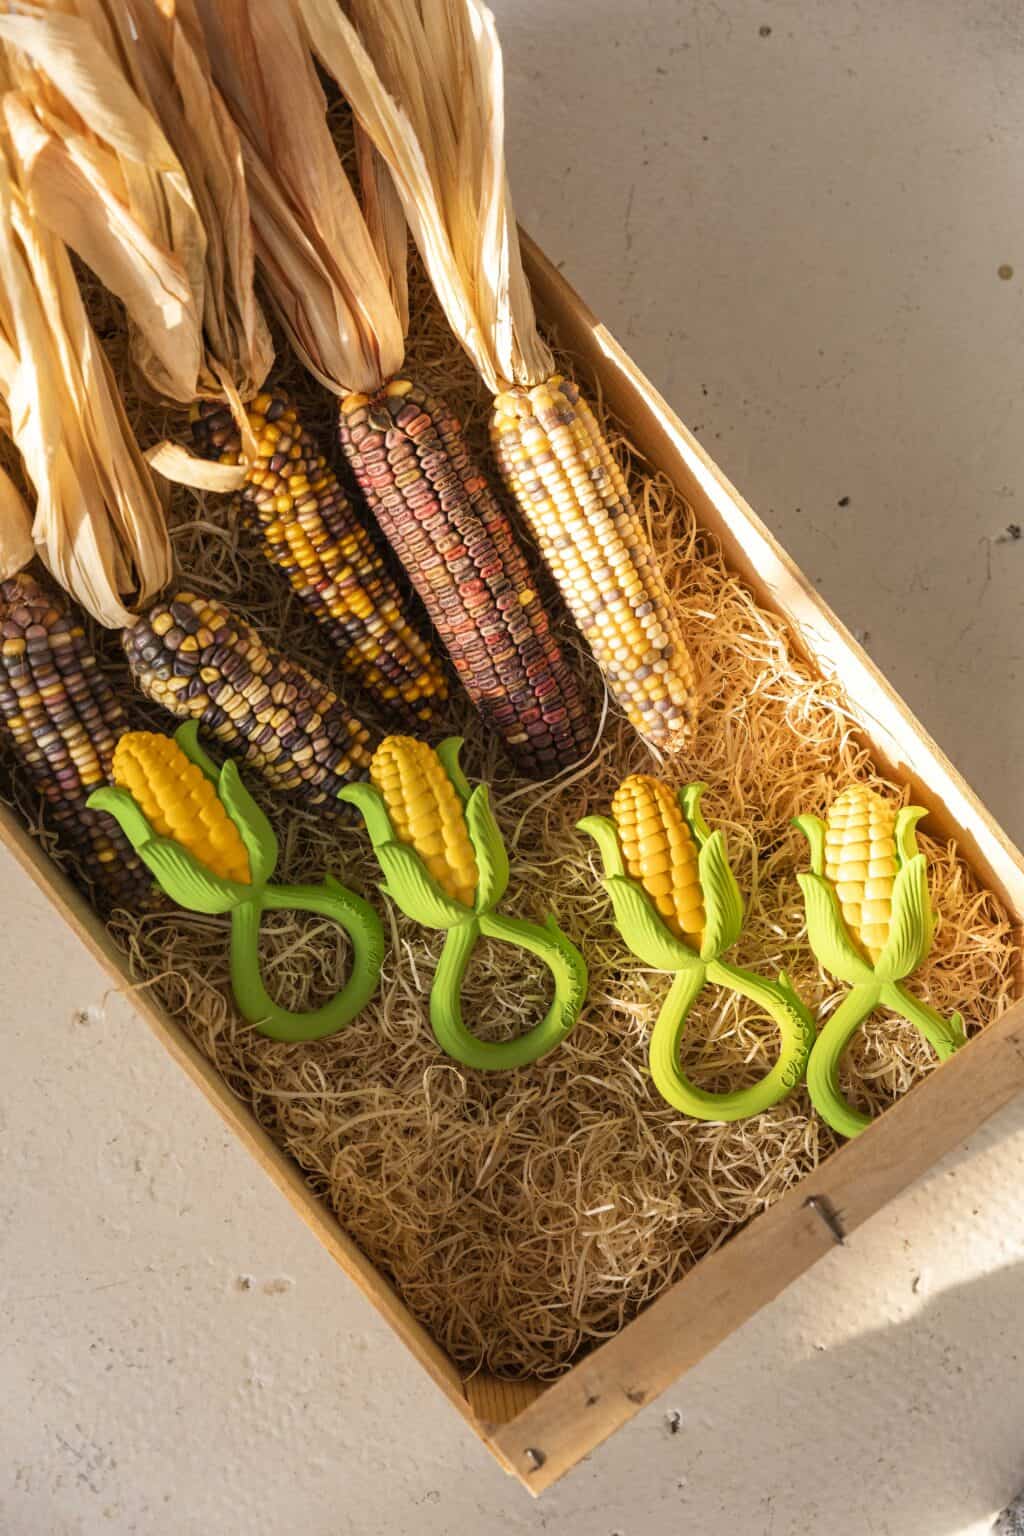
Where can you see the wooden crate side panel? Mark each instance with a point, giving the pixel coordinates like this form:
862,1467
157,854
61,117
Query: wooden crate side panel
285,1173
900,744
729,1286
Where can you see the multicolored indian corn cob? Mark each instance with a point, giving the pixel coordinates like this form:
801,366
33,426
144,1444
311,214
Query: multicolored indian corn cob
180,802
202,662
426,813
63,719
860,861
574,497
659,852
311,533
463,555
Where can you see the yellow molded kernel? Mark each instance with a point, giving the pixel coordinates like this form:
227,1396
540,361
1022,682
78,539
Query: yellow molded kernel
179,801
426,813
660,854
860,848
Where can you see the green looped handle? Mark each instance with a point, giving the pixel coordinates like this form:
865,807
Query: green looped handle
778,1000
945,1036
550,945
332,900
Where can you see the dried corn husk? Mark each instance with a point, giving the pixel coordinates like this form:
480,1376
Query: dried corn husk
127,151
441,131
337,281
98,172
16,546
99,526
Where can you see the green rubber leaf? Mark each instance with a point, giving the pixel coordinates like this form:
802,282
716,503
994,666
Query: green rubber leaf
253,827
607,839
188,882
905,832
723,904
448,752
911,926
828,934
813,828
187,738
369,802
690,797
489,847
412,887
121,805
640,924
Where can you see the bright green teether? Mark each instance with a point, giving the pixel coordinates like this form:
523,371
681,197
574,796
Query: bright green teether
445,866
869,921
211,849
678,907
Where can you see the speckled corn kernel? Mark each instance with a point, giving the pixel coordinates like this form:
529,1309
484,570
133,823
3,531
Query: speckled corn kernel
63,719
659,852
284,721
426,813
311,532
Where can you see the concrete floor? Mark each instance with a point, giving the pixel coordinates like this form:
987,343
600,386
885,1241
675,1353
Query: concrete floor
795,214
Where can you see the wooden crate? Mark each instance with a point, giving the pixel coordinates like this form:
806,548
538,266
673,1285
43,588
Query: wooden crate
539,1432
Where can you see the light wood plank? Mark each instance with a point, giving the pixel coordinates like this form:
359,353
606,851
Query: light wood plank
729,1286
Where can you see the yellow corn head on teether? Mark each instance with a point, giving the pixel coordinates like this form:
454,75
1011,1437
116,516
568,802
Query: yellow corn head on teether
869,922
678,907
209,846
445,866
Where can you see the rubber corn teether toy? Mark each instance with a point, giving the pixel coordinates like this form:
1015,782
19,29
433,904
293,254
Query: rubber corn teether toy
869,921
678,907
445,866
210,847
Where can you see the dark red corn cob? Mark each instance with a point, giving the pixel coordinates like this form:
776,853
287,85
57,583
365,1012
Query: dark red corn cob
63,721
460,551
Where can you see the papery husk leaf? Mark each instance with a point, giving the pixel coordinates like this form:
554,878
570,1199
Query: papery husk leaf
16,546
385,220
98,171
171,51
99,526
319,262
441,131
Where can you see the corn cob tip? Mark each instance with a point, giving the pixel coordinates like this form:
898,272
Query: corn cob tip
426,813
659,852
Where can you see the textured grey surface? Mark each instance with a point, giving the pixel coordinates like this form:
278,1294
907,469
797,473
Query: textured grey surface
798,233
